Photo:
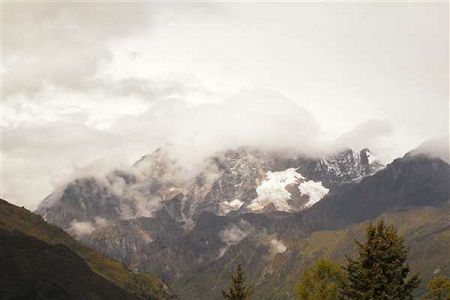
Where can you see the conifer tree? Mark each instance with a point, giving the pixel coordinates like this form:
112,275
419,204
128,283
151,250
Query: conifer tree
238,289
320,281
380,271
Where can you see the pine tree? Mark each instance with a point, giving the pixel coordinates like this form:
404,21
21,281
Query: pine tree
380,272
238,289
320,282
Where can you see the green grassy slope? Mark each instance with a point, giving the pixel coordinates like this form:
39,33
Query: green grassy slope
20,225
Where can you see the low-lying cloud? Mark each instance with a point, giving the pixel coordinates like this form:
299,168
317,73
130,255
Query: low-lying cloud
277,246
262,119
233,235
56,152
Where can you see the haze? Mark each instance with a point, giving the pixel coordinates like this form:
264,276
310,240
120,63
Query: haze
88,86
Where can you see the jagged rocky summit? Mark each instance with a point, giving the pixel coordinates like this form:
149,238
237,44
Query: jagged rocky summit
232,182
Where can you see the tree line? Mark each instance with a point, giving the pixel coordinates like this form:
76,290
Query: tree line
379,272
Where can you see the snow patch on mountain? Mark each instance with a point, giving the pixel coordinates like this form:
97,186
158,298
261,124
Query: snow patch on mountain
272,190
227,206
314,190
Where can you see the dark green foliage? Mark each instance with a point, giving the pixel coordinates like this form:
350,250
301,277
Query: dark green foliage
320,282
380,271
438,289
238,289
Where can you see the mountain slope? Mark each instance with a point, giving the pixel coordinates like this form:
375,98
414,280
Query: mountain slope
274,273
32,249
407,182
33,269
192,240
160,244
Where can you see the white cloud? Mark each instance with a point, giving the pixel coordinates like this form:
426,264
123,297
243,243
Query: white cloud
62,43
366,134
80,229
277,246
89,82
233,235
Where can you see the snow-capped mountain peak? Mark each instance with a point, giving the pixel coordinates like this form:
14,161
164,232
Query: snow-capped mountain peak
232,182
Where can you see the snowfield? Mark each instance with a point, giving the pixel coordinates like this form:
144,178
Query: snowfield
272,190
314,190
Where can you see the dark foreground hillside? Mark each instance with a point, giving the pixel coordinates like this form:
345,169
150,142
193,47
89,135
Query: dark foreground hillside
32,269
40,261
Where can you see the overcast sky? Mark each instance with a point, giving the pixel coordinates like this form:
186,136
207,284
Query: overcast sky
88,86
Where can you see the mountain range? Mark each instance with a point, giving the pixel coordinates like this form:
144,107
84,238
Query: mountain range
273,213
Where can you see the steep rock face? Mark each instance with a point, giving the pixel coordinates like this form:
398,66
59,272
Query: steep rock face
84,199
341,167
232,182
144,244
161,245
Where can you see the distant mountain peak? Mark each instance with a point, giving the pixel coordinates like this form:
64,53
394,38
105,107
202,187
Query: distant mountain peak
234,181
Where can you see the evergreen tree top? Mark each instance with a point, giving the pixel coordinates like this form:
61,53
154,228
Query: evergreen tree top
380,270
238,289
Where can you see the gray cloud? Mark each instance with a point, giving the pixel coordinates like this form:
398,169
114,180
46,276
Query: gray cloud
369,134
62,43
66,43
90,86
435,147
261,119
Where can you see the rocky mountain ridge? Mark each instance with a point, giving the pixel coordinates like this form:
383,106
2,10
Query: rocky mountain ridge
232,182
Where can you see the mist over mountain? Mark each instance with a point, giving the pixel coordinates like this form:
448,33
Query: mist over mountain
232,181
259,119
153,218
